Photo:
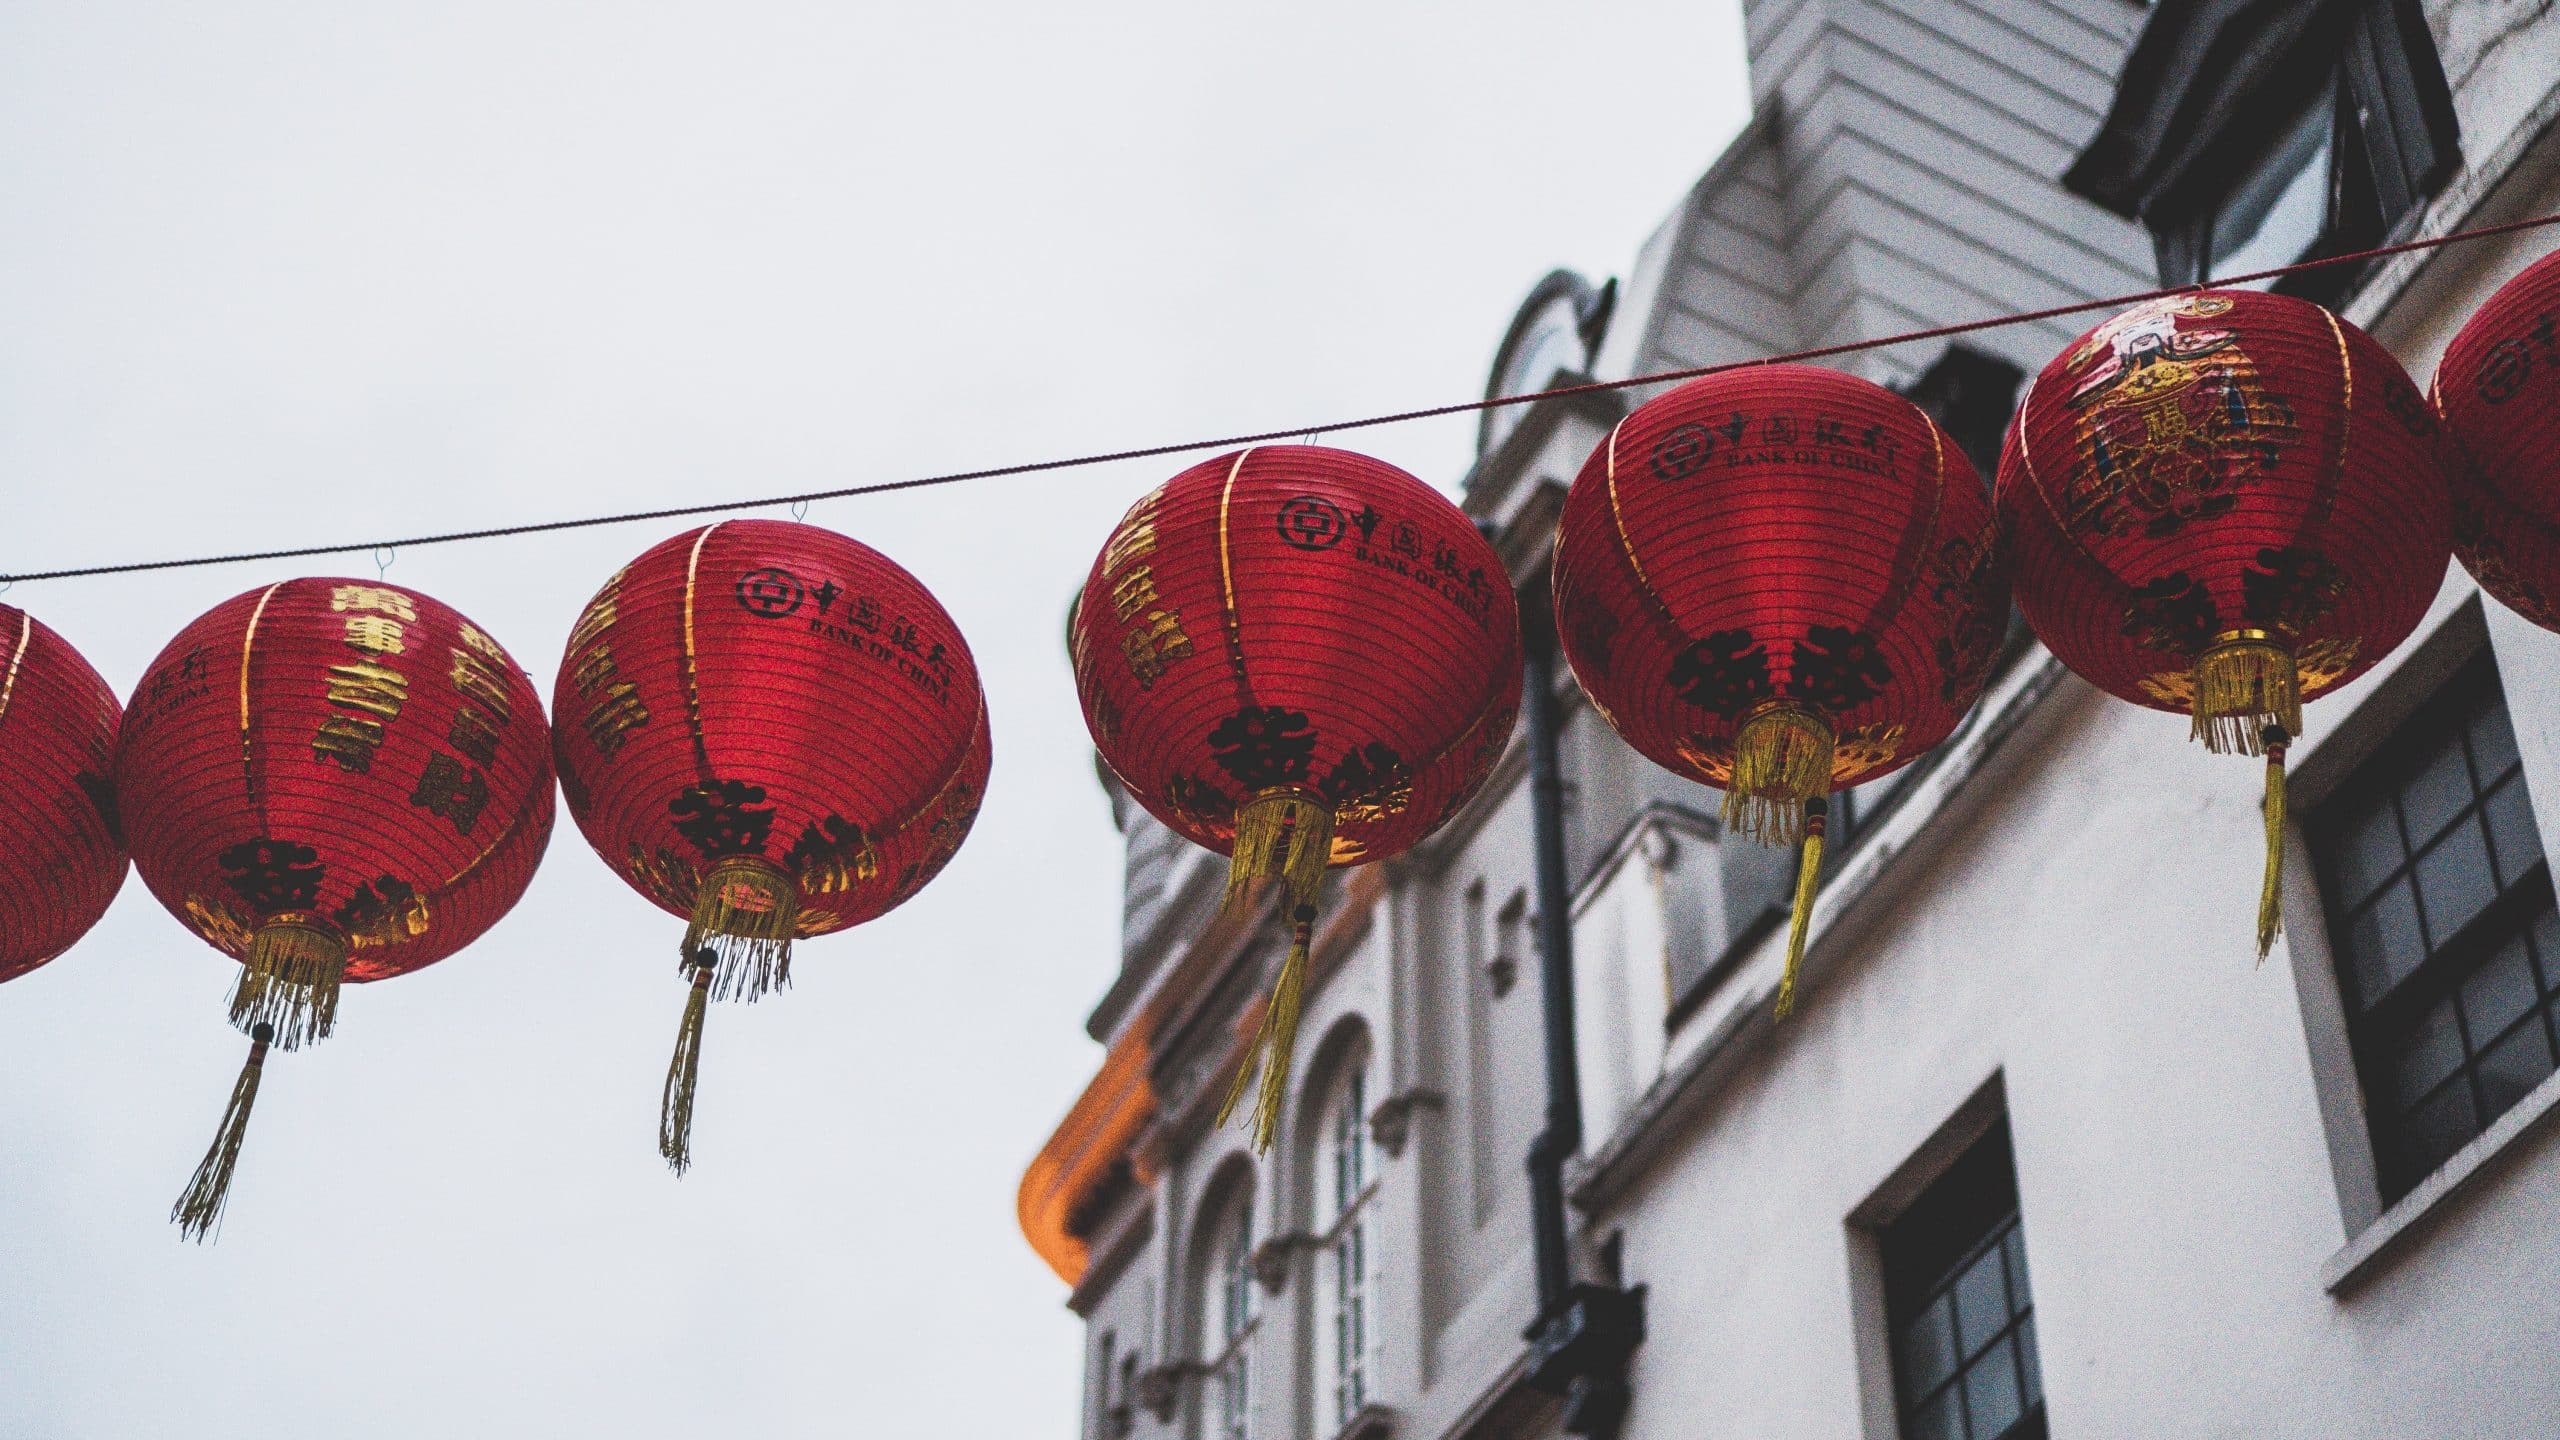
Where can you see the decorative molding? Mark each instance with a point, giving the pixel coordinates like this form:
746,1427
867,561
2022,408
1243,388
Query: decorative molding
1275,1257
1372,1421
1160,1386
1391,1119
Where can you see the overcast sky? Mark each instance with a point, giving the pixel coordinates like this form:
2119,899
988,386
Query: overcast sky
281,274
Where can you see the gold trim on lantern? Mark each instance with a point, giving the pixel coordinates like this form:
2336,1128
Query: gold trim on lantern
692,685
290,979
248,757
1782,757
1284,835
2245,681
744,914
17,657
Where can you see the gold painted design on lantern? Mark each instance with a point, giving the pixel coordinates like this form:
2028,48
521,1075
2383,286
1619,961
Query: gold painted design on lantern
220,926
1867,748
2164,471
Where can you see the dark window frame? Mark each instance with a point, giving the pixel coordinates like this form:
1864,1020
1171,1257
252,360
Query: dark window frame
2212,90
2403,1021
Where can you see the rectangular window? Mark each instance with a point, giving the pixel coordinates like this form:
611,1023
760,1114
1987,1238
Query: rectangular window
2441,918
1964,1330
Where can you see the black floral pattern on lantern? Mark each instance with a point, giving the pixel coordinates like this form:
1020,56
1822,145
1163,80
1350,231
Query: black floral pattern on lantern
1198,801
1726,673
2174,615
1838,669
1370,783
722,819
377,912
1966,576
2486,553
273,875
1263,746
830,855
1593,628
2289,588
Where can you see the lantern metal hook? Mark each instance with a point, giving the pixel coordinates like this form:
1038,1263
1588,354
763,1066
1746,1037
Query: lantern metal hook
383,555
800,510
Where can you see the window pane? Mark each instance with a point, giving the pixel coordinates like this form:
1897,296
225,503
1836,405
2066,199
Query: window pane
2434,1130
2431,1051
2383,944
2032,1368
2014,1245
2454,884
1991,1391
1936,1420
2514,1065
2546,944
2493,742
2511,829
2366,854
2437,793
1982,1303
2500,990
1928,1349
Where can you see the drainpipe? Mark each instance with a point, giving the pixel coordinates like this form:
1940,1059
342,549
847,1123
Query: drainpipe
1584,1333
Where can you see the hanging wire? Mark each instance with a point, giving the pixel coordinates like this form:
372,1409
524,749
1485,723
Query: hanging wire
1264,437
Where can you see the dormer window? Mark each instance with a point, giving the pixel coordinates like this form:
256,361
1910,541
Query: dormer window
1555,332
2248,138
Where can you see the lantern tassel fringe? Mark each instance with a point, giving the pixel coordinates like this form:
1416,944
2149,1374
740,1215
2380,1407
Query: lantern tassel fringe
684,1072
2271,885
745,915
1285,836
289,982
1781,759
2242,687
1276,1040
198,1213
1808,883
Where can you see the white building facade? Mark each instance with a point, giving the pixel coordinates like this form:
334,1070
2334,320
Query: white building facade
2042,1149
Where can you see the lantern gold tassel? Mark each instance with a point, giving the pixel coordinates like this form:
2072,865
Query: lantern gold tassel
1781,759
675,1103
1277,1039
1283,835
1808,882
198,1212
289,982
2270,889
744,914
2245,683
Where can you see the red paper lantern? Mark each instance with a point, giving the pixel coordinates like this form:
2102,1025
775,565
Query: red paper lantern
2224,503
1779,581
62,860
1297,657
775,732
2498,388
331,781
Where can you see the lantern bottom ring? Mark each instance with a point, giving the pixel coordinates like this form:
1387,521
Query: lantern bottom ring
1284,834
2245,681
1782,757
744,913
290,978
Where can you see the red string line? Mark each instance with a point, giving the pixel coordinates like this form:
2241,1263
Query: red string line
1289,432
